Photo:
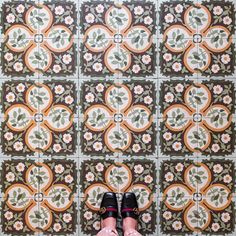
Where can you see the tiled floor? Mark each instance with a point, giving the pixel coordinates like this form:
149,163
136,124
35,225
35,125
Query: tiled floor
119,96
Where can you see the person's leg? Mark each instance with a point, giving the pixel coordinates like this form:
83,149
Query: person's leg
130,227
108,227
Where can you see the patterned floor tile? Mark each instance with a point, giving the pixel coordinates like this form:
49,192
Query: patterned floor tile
118,38
39,197
197,117
99,176
39,38
118,118
39,117
197,38
210,184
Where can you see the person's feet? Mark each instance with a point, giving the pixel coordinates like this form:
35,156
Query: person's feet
109,222
129,224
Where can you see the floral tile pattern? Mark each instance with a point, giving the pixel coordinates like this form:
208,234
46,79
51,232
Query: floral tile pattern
39,117
38,197
39,38
102,176
197,38
209,185
118,118
197,117
118,38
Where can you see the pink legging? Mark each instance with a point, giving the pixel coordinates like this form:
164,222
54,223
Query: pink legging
112,232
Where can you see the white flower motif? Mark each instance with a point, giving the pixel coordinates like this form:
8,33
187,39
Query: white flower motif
18,225
20,8
67,59
88,215
227,20
177,66
67,138
59,168
8,136
10,18
138,10
179,88
88,56
179,167
8,215
89,18
138,169
20,87
8,56
148,100
146,217
88,136
179,8
20,167
100,8
215,147
18,146
177,225
167,215
148,20
225,138
59,10
217,89
96,225
69,99
167,57
167,136
217,10
225,217
136,68
217,168
57,147
169,18
69,179
146,138
89,97
146,59
215,68
10,97
69,20
89,177
138,89
225,58
136,148
177,146
10,177
97,66
169,97
148,179
169,177
215,227
100,88
99,167
18,66
227,99
227,179
59,89
56,68
67,217
97,146
56,227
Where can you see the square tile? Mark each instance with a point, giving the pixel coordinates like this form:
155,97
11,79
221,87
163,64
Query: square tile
197,197
39,197
119,38
39,38
197,38
118,117
39,117
99,176
197,117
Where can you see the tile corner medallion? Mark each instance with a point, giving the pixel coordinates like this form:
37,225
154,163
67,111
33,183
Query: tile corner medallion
197,197
118,118
198,117
118,38
39,38
39,197
136,176
39,118
197,38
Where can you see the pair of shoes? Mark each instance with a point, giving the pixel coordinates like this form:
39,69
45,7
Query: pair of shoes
109,206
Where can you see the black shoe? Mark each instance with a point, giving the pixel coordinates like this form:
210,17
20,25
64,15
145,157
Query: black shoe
129,206
109,206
